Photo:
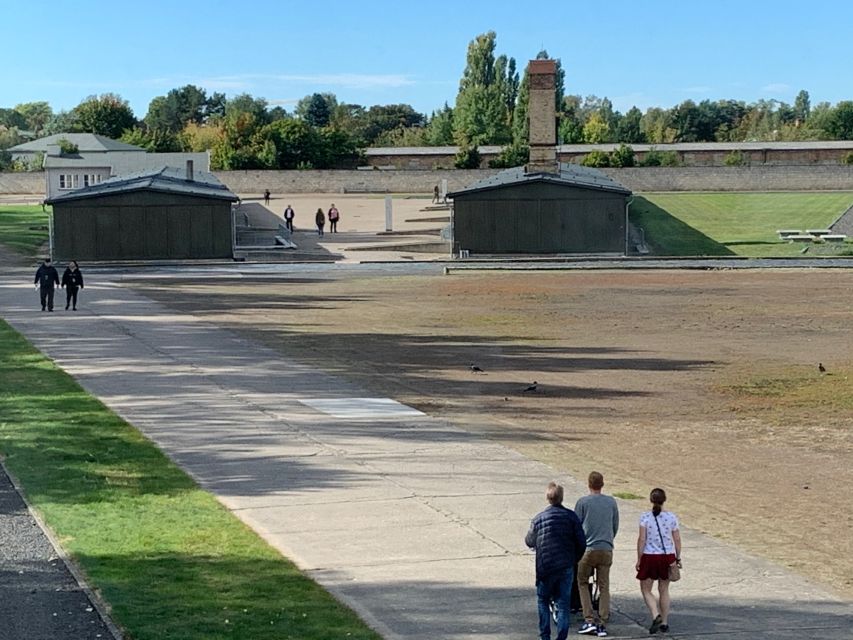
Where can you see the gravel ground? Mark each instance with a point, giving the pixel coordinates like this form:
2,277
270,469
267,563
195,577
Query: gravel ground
39,598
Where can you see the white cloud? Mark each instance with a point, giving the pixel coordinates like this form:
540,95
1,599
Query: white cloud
776,87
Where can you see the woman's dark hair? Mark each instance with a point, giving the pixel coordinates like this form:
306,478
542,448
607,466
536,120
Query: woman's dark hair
658,497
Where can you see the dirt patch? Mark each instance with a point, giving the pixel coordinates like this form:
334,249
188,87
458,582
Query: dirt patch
705,383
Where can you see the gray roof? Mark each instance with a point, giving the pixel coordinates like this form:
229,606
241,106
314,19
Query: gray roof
163,180
586,148
126,162
84,142
570,174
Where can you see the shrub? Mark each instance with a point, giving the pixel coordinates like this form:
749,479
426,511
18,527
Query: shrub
513,155
467,158
734,159
66,147
848,159
656,158
622,156
596,159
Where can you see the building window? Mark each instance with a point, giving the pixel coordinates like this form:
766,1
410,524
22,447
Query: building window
68,181
91,179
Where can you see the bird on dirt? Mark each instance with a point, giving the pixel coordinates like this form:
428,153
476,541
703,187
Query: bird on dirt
476,369
821,368
531,387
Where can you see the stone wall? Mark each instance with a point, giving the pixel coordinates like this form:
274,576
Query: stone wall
344,181
22,183
763,178
766,178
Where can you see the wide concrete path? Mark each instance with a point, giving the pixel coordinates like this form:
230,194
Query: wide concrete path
412,521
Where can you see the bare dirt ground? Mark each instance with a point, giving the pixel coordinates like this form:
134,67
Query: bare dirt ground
705,383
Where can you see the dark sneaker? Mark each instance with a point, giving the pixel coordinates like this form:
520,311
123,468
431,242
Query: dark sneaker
587,628
601,631
656,623
664,628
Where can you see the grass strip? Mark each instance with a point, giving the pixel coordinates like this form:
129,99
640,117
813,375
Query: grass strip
23,228
744,224
172,563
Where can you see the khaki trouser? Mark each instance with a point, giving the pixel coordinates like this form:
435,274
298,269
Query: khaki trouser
599,560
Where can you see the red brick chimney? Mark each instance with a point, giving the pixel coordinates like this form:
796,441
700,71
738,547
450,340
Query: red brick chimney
542,76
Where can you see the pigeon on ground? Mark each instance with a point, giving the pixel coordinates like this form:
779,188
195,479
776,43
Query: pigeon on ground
531,387
475,368
821,368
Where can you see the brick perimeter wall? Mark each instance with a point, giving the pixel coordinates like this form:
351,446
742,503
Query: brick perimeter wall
764,178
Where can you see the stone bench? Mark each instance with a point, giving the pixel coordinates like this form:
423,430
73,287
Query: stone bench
784,234
801,237
834,237
819,232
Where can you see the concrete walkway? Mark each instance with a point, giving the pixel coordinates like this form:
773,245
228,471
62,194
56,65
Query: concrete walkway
412,521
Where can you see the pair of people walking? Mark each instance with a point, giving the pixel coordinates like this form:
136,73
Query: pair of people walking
47,278
320,220
564,539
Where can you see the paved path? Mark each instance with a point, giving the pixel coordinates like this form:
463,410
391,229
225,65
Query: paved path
412,521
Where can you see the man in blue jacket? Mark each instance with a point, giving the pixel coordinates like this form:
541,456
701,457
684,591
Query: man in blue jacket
558,538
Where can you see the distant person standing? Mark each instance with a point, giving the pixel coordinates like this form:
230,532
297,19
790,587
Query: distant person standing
46,278
435,195
599,515
559,541
72,281
320,220
289,215
334,216
266,196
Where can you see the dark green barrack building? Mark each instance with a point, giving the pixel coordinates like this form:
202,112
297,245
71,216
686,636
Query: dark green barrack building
577,210
169,213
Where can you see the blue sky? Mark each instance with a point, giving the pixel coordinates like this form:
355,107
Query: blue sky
652,53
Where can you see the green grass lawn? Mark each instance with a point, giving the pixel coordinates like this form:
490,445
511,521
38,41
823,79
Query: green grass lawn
168,558
742,224
23,228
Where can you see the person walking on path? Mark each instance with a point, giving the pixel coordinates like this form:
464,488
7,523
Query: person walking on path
435,196
289,215
558,539
266,196
46,278
334,216
658,546
320,219
72,280
599,516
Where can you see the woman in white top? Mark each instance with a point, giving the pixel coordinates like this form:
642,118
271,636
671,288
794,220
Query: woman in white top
658,546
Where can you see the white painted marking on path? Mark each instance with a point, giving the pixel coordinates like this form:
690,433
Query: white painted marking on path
362,408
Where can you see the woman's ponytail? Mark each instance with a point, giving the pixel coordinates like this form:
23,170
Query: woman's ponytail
657,497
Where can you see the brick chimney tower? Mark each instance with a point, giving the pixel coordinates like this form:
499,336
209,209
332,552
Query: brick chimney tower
542,75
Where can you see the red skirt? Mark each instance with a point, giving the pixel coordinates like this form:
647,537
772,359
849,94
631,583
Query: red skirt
655,566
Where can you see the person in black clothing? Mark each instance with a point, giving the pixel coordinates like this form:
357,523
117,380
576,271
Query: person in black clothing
266,196
557,536
289,215
72,280
46,279
320,219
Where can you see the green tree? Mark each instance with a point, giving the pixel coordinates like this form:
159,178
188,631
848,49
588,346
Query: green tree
467,158
107,115
629,129
316,111
159,140
12,118
840,125
440,127
802,106
622,156
596,159
246,104
596,130
480,115
176,109
37,115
